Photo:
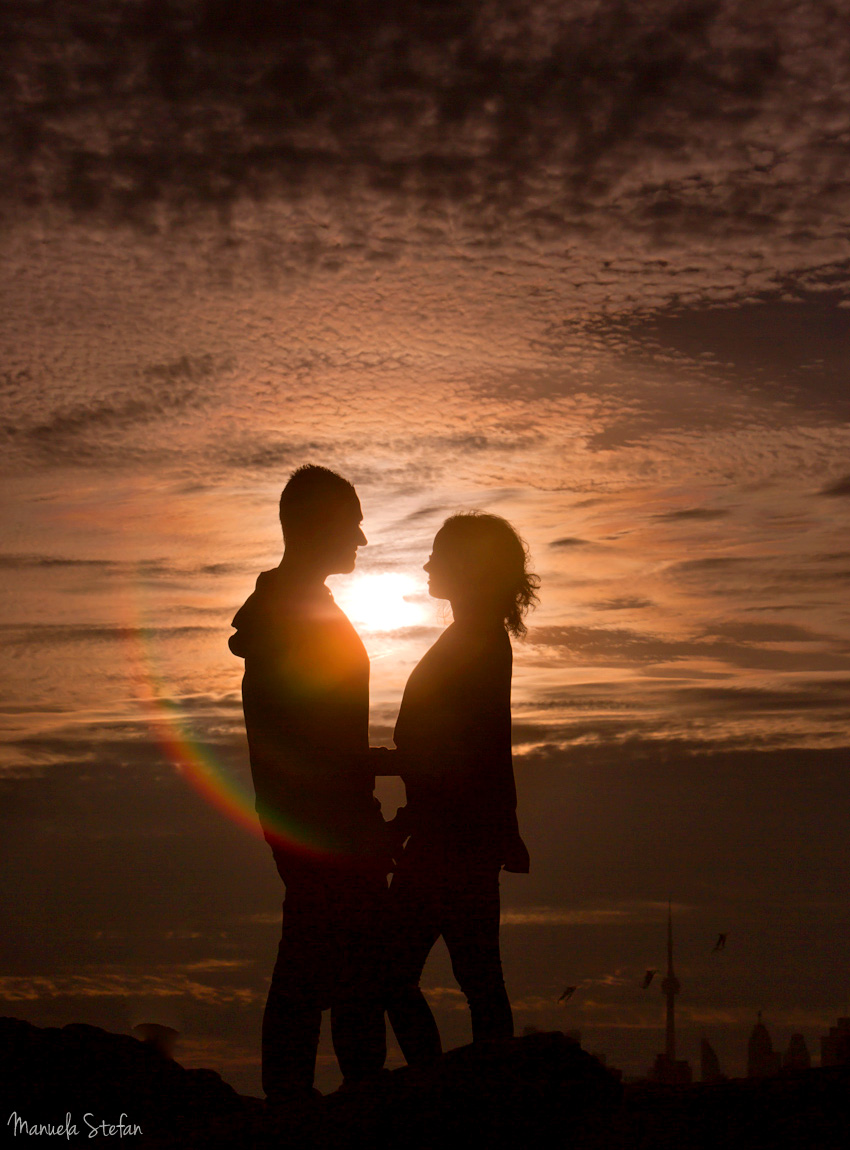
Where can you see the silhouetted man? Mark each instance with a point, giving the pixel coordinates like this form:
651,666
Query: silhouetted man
305,696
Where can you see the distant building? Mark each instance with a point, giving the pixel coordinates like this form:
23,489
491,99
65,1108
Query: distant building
667,1068
675,1073
797,1054
762,1061
709,1063
835,1046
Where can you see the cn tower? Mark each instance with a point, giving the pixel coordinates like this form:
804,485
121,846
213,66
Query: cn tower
670,987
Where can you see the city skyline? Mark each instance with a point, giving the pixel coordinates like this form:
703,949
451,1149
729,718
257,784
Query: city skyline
759,1060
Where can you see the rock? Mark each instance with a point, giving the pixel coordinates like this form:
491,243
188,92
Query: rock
539,1090
79,1070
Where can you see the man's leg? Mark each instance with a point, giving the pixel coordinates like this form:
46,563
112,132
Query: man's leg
414,927
291,1026
358,1029
298,992
471,931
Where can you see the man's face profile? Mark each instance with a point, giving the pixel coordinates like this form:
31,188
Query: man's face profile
339,535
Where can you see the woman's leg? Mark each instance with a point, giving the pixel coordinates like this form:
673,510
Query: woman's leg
470,926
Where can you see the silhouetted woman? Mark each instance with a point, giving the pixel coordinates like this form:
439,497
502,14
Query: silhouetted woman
454,749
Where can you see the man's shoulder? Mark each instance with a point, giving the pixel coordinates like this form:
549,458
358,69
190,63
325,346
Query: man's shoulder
286,612
276,591
272,609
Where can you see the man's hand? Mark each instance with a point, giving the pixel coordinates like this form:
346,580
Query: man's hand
382,760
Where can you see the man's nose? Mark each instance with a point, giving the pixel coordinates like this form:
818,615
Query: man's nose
361,538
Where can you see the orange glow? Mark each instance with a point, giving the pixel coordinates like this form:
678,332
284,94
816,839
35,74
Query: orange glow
385,602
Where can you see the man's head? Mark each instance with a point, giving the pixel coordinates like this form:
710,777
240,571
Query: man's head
320,516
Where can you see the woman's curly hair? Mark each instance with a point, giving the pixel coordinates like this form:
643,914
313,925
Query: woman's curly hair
493,557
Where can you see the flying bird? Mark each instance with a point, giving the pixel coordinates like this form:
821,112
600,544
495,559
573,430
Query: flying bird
720,944
647,979
568,993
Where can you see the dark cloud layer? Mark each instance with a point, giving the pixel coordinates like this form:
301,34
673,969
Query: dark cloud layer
800,346
99,425
118,107
126,893
737,645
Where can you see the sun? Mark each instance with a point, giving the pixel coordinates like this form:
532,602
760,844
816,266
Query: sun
383,602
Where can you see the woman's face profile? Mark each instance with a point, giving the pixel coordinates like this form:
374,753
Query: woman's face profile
442,576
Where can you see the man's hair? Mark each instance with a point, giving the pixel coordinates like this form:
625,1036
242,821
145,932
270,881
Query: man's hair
310,494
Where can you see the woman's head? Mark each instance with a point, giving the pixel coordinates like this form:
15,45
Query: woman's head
480,562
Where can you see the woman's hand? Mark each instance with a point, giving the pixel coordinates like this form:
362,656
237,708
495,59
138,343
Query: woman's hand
515,858
397,830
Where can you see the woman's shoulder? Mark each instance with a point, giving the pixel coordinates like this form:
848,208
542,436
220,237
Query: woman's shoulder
475,658
491,641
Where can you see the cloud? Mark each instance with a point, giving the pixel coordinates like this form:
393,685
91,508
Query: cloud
659,716
545,120
123,985
579,916
61,634
101,428
762,579
141,570
623,603
795,348
187,369
119,414
737,645
839,487
689,513
801,696
258,452
568,542
744,631
439,994
24,562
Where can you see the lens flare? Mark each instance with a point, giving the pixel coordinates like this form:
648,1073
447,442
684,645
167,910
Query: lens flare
196,760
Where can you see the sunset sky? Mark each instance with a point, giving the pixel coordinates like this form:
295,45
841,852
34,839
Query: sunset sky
582,263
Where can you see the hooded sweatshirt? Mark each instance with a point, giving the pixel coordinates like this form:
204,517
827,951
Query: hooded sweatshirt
305,695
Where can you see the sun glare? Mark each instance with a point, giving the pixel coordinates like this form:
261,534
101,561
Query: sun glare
383,602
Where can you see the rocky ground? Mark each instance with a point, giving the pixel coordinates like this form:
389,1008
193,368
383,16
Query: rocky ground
538,1091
